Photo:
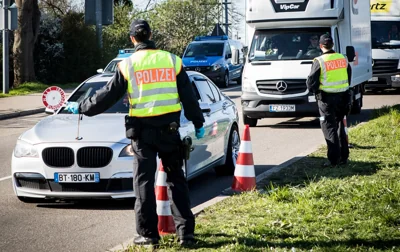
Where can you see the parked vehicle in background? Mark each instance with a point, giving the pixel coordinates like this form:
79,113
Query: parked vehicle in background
112,66
285,37
212,56
385,36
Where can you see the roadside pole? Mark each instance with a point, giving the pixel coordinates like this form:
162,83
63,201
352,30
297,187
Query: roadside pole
99,23
6,55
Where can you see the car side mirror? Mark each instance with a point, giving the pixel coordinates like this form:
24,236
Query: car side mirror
350,53
235,57
205,107
49,111
100,70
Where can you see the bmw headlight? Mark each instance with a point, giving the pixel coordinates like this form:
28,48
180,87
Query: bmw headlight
216,67
247,87
127,151
24,149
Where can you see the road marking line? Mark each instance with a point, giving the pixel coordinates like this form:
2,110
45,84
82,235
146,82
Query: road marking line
5,178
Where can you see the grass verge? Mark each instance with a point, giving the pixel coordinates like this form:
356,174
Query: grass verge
34,87
355,207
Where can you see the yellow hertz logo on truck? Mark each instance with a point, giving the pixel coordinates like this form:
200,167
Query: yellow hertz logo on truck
380,6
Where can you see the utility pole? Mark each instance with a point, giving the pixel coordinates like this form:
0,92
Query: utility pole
99,23
6,55
225,3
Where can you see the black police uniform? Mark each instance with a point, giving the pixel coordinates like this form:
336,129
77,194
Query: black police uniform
155,137
332,109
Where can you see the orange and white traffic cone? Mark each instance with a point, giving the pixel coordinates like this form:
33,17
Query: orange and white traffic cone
347,132
166,223
214,129
244,178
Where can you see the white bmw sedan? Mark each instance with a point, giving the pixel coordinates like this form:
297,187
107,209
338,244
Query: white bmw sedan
52,160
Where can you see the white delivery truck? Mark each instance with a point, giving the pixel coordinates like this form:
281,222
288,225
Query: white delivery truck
284,41
385,35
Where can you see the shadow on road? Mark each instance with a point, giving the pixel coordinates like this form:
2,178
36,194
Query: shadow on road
293,124
91,204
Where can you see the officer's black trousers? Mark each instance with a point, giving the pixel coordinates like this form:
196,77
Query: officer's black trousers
332,108
150,143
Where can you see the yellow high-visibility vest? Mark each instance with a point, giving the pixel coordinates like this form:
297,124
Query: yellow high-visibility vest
334,77
152,88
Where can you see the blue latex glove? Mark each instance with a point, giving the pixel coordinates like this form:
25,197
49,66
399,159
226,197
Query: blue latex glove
200,133
72,107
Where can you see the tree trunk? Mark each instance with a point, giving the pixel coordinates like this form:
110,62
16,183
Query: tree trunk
24,40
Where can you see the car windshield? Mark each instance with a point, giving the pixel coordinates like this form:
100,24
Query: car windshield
268,45
112,66
89,89
204,49
385,34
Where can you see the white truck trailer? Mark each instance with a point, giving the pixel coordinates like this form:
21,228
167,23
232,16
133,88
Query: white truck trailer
282,50
385,35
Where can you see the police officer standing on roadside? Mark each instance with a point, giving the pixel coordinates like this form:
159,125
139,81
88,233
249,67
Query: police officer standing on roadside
156,84
329,80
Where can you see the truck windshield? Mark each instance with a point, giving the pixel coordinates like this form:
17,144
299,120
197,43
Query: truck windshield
385,34
269,45
204,49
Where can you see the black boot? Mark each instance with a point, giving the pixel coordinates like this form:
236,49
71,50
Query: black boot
145,241
187,241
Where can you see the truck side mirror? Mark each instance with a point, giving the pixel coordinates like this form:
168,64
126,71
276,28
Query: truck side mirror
235,57
350,53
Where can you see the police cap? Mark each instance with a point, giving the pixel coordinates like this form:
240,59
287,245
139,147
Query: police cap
139,26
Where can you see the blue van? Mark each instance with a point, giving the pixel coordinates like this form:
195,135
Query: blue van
212,56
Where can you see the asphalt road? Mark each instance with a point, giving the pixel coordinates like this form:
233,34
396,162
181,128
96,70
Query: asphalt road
100,225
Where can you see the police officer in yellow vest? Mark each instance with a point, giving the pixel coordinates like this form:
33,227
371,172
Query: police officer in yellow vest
156,84
329,80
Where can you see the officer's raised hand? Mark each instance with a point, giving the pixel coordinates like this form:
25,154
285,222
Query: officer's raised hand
72,107
200,132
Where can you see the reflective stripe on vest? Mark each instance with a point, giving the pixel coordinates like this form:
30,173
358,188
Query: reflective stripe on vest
152,88
333,78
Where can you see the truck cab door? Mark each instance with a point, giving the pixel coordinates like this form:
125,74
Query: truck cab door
336,39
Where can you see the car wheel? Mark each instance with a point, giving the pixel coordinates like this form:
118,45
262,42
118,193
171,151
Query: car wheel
30,200
357,105
252,122
239,81
232,153
225,82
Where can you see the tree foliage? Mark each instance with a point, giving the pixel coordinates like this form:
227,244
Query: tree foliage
116,36
175,23
49,50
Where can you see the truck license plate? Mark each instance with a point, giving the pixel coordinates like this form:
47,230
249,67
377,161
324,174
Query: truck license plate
373,79
282,108
77,177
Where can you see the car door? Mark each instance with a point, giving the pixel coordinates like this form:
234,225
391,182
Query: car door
220,120
235,70
202,148
228,60
207,96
